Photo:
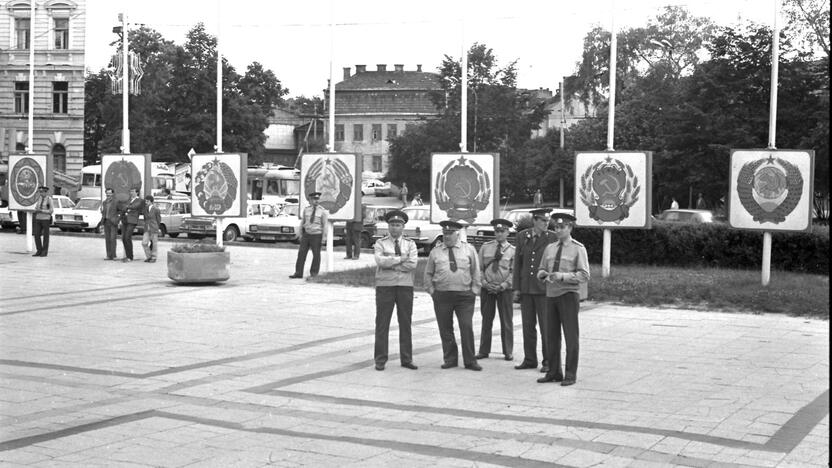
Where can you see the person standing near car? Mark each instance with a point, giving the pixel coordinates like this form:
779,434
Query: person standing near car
109,220
352,232
152,222
497,265
564,267
42,221
396,258
312,228
129,220
452,278
404,193
528,252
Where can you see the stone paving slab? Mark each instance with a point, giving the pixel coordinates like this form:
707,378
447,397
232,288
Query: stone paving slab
111,364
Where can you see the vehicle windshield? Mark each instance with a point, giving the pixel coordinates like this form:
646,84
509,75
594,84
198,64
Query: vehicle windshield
88,204
91,180
163,206
515,216
417,214
289,210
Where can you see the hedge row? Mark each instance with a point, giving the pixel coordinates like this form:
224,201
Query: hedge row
709,245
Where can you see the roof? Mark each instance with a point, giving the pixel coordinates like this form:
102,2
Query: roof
389,80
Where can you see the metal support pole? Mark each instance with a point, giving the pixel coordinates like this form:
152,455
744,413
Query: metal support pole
463,80
605,262
125,88
330,243
219,106
30,143
772,130
562,202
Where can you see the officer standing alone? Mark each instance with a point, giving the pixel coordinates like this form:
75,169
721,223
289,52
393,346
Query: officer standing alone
313,224
497,265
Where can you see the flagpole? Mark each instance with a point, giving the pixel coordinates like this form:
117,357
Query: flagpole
330,243
125,88
772,131
30,146
219,106
607,247
463,79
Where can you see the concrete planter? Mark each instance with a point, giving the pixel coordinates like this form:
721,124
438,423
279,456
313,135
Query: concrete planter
202,267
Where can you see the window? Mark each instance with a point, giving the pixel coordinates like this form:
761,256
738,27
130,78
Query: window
60,97
376,163
358,132
339,132
59,158
22,32
61,33
391,131
376,132
21,97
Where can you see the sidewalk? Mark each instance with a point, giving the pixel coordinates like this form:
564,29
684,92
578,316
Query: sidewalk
111,364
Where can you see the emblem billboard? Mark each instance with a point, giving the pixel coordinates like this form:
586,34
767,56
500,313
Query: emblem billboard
27,172
338,177
122,172
465,186
771,190
219,184
613,189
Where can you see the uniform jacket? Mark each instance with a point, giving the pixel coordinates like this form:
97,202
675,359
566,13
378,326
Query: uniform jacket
152,218
316,225
438,275
527,256
573,265
504,276
132,211
400,274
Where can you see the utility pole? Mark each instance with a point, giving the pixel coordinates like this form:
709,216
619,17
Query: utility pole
562,126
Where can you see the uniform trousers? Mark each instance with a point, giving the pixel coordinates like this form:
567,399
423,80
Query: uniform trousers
127,239
40,229
533,311
563,312
503,303
400,297
445,304
110,235
309,242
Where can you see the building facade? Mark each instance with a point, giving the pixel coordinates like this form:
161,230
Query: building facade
371,107
574,112
57,33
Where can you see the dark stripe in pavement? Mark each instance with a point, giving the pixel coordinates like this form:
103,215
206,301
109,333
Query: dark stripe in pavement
80,370
800,424
78,291
144,297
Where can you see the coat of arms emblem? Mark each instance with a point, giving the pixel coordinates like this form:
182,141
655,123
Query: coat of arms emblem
333,179
769,189
215,187
609,188
26,177
121,176
462,190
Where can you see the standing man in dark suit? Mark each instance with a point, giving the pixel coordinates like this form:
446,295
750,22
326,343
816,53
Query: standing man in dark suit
312,228
529,248
129,220
109,219
150,237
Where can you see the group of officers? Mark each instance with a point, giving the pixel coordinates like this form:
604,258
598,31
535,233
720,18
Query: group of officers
544,268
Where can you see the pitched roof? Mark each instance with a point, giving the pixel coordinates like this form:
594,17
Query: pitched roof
389,80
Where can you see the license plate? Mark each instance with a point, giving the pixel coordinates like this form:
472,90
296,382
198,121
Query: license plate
267,237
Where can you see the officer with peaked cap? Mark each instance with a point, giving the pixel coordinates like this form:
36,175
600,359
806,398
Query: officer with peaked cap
563,268
312,232
529,246
396,258
452,278
497,265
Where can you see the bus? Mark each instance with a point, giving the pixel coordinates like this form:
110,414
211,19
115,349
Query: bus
162,177
273,184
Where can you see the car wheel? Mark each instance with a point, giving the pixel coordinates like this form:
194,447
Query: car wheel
162,230
230,234
173,234
366,241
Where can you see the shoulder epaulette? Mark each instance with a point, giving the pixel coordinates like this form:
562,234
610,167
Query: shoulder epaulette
577,243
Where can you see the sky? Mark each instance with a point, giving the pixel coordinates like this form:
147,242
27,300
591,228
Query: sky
294,39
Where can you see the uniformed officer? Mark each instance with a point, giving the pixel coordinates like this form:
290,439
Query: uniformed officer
529,247
312,228
396,258
564,267
497,265
452,278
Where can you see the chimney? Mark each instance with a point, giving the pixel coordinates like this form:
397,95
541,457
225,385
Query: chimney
346,72
419,67
381,67
360,68
399,67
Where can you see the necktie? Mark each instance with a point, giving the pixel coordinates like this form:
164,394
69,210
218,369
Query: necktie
312,218
398,249
451,258
495,265
557,258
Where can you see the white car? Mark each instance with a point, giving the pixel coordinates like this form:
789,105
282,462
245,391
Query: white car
8,218
285,226
86,216
61,205
369,186
427,235
197,227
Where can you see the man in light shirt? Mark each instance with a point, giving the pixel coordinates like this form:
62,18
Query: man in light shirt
312,228
452,278
396,258
497,265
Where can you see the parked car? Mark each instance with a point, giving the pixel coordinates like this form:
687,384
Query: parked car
419,228
518,214
61,205
372,215
86,216
8,218
285,226
368,187
687,216
197,227
173,212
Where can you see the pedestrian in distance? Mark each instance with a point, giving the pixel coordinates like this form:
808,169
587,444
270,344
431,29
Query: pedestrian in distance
564,267
529,246
452,278
312,229
352,232
109,220
700,203
396,257
42,222
129,220
497,264
152,224
674,205
417,200
538,198
404,193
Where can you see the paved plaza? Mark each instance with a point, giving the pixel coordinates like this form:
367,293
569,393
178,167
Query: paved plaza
111,364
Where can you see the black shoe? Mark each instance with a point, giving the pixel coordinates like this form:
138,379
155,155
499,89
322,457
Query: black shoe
295,276
36,255
482,356
526,365
379,366
409,365
567,382
152,260
148,260
544,369
448,365
125,260
347,258
475,367
550,378
509,357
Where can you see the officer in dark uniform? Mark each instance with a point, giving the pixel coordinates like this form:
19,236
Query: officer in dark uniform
529,246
